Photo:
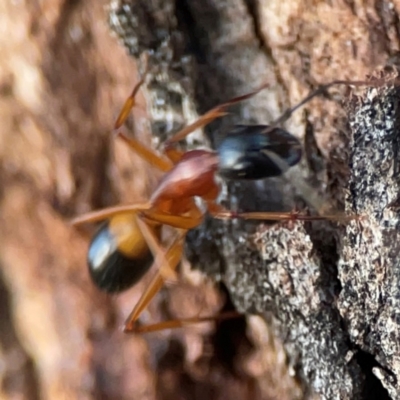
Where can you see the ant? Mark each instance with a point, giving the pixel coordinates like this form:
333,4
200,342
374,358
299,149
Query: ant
128,244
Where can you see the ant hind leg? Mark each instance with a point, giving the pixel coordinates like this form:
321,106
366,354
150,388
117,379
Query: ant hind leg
173,256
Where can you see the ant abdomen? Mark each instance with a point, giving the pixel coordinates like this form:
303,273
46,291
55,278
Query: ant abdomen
118,255
255,152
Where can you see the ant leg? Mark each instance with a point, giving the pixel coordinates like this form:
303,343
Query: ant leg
146,153
181,323
219,110
130,101
209,116
109,212
157,250
166,261
282,216
183,222
219,212
177,221
173,256
173,153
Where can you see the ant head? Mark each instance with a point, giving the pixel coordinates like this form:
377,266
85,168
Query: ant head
257,152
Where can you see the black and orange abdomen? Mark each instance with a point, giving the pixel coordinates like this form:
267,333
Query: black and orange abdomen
118,255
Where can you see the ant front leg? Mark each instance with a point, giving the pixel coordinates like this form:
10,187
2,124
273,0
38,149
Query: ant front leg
174,154
220,110
209,116
219,212
283,216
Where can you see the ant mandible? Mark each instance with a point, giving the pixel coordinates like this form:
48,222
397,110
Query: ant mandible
128,244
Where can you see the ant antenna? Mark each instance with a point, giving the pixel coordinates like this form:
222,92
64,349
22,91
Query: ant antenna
304,189
321,89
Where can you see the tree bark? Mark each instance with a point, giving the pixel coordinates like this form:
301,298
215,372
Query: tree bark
325,294
329,291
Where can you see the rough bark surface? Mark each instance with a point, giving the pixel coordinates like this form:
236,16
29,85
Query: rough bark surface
299,276
368,268
326,294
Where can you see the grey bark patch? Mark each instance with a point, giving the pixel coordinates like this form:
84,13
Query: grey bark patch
369,265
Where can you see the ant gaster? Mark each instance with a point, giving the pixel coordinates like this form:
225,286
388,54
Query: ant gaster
128,243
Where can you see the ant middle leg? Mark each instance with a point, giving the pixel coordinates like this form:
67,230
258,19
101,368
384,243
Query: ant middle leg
181,323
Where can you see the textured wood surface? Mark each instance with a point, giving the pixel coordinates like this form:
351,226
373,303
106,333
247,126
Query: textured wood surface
327,294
